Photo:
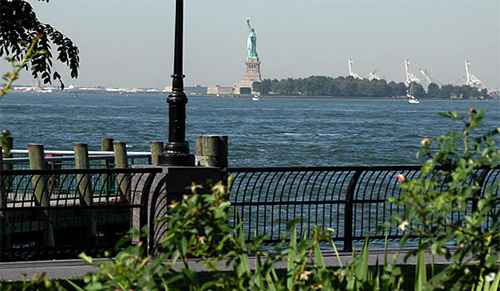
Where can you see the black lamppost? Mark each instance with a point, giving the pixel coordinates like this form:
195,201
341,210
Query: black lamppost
176,151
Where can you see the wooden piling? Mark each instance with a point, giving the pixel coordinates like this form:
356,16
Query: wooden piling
85,186
37,162
107,145
40,189
82,162
156,149
211,151
121,161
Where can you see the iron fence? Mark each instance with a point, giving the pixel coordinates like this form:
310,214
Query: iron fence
59,213
47,214
350,200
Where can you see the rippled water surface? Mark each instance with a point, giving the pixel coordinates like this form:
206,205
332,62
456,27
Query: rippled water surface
268,132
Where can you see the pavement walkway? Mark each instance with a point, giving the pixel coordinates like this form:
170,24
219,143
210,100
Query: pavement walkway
76,268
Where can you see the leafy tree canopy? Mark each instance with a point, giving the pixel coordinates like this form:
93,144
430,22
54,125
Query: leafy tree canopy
19,27
350,87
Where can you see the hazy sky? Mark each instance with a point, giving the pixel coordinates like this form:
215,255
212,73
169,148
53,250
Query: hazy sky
129,43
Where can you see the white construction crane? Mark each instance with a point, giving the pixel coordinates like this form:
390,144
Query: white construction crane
426,75
373,76
410,78
470,79
351,71
428,78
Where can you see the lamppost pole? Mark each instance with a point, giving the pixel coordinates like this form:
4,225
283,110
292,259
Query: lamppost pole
176,151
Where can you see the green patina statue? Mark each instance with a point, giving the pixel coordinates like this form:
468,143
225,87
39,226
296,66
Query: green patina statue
252,42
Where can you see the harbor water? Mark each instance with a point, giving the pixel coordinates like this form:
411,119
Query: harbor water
269,132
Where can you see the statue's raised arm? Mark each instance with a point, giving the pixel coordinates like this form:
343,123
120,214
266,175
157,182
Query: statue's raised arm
249,26
252,42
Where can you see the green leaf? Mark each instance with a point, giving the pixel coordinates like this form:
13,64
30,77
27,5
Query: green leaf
491,259
270,283
86,259
421,272
184,245
319,256
76,287
292,256
362,270
496,283
208,285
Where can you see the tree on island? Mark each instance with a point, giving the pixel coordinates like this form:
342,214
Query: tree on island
433,90
350,87
418,91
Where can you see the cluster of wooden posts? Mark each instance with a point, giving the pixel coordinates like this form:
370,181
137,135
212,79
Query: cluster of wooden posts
210,151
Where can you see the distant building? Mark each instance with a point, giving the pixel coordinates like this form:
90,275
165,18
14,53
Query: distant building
195,89
198,89
220,90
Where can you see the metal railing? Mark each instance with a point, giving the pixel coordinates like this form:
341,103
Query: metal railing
350,200
60,213
61,159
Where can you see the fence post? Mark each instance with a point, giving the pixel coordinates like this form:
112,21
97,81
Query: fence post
156,149
121,162
4,222
5,186
37,162
480,181
348,211
84,184
211,151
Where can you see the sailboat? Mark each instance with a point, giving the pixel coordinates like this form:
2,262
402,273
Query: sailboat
409,93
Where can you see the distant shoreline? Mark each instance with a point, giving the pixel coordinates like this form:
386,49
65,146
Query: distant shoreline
329,97
99,92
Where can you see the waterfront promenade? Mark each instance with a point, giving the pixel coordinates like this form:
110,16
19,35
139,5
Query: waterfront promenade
77,268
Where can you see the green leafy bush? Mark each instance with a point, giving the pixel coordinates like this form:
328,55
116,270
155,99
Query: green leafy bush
198,227
448,212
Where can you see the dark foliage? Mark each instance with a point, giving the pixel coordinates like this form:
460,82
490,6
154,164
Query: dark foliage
19,25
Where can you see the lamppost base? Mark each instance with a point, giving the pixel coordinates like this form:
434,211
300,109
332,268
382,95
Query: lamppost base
176,154
175,159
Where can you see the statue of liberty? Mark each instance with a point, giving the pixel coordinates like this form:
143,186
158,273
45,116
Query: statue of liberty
252,42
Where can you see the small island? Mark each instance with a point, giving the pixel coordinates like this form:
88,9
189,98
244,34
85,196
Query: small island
324,86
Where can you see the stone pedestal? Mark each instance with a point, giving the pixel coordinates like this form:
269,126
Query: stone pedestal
252,74
169,186
252,71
